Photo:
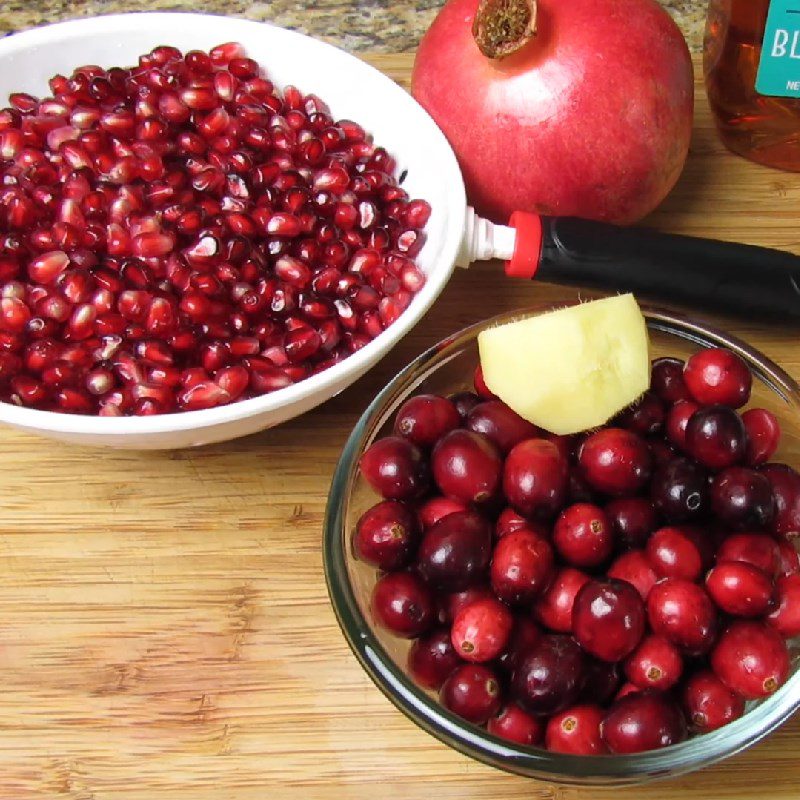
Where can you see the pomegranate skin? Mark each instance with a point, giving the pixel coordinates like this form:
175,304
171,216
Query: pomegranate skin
552,128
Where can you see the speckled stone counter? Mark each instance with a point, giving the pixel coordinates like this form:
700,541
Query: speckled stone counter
383,26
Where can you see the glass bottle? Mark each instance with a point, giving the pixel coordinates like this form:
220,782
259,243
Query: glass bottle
752,70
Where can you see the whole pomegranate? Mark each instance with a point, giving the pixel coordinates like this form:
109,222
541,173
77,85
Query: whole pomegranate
561,107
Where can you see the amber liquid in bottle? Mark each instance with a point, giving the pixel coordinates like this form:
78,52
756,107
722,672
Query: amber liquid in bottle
763,129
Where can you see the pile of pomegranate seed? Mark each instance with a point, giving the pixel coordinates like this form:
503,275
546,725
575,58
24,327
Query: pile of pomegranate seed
181,235
610,592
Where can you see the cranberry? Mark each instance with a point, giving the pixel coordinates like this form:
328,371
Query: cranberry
395,468
516,725
785,617
548,677
535,477
678,420
742,498
466,466
645,416
615,461
436,508
679,490
626,689
524,635
425,418
473,692
582,535
432,658
654,664
454,553
666,380
635,568
451,604
682,612
632,520
576,730
553,609
481,388
403,604
601,681
763,435
715,436
718,376
785,483
608,618
498,423
788,557
386,535
708,703
739,588
522,566
673,554
464,402
643,721
579,490
753,548
509,520
661,451
481,630
751,659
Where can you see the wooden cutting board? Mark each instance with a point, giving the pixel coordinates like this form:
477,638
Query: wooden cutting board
165,632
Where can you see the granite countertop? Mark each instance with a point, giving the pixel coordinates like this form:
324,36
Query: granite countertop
383,26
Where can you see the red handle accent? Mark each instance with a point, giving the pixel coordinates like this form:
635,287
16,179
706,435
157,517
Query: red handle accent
527,246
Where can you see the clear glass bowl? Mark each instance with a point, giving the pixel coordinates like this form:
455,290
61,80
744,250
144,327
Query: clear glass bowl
447,368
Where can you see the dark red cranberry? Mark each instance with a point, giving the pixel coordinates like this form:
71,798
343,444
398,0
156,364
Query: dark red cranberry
522,566
682,612
708,703
524,635
498,423
763,435
678,418
386,535
509,520
718,376
579,490
615,461
516,725
643,721
432,658
661,451
465,402
425,418
451,604
553,609
481,630
576,730
742,498
785,616
673,554
715,436
608,619
666,380
788,557
645,417
785,483
739,589
679,490
635,568
582,535
466,466
632,520
754,548
535,477
435,508
481,388
454,553
601,681
473,692
655,664
549,676
403,604
751,659
395,468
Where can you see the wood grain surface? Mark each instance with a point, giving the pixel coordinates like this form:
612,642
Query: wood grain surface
165,632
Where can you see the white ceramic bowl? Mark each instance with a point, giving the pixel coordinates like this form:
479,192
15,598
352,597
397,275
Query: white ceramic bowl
353,90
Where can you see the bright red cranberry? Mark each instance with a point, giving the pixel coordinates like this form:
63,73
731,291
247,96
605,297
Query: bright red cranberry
548,677
473,692
386,535
666,380
751,659
788,557
645,417
601,681
425,418
715,436
739,589
643,721
436,508
682,612
403,604
763,435
655,664
673,554
524,635
708,703
582,535
679,490
466,466
481,630
554,607
454,553
465,402
785,483
753,548
480,385
742,498
608,618
635,568
516,725
498,423
395,468
678,418
615,461
718,376
785,617
632,520
576,730
432,658
451,604
522,566
509,520
535,478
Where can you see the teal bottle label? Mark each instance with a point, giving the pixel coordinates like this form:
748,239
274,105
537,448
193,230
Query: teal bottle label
779,69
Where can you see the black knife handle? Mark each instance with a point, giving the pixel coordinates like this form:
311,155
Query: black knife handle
727,277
